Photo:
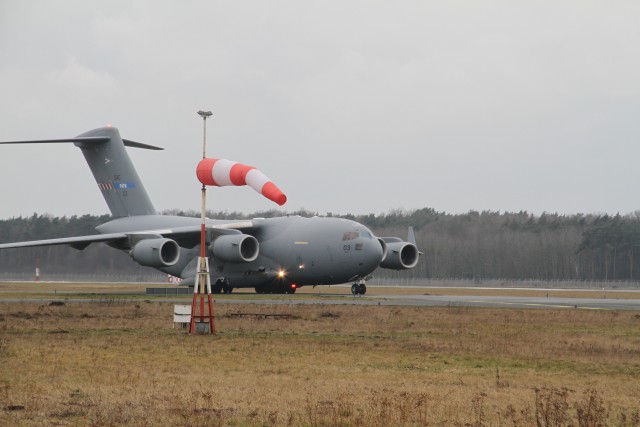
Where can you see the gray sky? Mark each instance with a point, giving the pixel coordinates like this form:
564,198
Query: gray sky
348,106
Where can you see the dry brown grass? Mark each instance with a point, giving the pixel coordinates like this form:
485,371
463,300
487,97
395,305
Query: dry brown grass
116,363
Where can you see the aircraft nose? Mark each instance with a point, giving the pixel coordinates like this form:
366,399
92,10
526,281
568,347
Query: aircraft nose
374,254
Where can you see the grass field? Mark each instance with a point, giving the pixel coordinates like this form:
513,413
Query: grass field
121,362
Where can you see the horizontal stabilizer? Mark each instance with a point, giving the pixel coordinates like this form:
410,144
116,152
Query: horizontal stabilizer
67,140
130,143
87,139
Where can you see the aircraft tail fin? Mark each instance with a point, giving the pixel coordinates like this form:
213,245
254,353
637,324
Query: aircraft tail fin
117,179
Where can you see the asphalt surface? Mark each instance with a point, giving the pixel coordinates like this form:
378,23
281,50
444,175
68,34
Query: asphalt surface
461,301
517,302
402,300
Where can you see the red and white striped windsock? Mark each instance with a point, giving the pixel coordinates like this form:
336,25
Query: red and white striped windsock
221,172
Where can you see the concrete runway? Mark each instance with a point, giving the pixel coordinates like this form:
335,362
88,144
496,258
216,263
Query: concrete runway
397,300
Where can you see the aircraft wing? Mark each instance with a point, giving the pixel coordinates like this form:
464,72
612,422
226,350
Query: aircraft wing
79,242
188,236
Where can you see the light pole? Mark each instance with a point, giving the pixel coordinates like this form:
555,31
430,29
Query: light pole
205,115
202,269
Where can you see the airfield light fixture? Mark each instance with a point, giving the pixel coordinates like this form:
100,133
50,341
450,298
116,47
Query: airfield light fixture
205,115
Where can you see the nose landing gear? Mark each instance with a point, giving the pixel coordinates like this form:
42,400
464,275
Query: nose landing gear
359,288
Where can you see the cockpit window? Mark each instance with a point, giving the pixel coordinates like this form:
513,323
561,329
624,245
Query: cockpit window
366,235
350,235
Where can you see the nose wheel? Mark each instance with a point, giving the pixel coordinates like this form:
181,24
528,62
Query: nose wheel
359,288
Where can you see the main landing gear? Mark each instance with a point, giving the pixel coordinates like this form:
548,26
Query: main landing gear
222,286
359,288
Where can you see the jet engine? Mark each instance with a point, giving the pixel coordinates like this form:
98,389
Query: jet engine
156,252
235,248
400,256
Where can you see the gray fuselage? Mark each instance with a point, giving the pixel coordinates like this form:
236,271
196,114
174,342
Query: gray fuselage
293,249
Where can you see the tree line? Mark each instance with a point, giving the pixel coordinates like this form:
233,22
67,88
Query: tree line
473,245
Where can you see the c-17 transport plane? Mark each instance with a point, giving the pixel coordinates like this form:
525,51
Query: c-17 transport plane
271,255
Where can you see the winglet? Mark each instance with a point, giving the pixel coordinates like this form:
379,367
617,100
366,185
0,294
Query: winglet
411,238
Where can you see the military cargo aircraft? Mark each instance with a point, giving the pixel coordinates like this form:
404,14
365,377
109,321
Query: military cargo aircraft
271,255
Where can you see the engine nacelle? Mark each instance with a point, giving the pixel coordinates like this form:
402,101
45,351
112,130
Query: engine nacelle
235,248
384,247
156,252
400,256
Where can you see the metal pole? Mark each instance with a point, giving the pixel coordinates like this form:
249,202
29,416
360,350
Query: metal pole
202,274
205,115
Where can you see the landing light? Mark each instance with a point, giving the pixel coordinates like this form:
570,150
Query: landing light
281,274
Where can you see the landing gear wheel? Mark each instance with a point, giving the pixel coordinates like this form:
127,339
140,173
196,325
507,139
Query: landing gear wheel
359,288
217,287
291,290
226,288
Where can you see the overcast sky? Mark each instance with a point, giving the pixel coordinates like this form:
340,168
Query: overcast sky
348,106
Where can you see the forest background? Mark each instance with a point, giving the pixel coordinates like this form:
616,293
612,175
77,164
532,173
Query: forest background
474,245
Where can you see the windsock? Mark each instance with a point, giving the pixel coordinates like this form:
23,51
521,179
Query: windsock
221,172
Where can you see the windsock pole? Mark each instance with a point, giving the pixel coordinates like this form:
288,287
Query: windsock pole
202,274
